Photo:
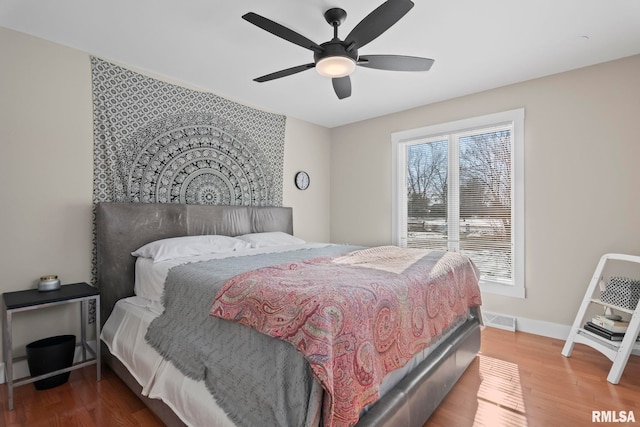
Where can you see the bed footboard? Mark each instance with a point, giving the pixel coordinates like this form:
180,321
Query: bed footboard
418,395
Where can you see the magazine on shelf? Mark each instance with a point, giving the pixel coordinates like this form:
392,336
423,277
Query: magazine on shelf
619,326
598,330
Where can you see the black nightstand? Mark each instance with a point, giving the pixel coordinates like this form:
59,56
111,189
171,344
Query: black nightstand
32,299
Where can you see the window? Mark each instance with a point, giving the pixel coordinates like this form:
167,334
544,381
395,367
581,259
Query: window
459,186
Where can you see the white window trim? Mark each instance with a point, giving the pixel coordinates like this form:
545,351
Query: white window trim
398,141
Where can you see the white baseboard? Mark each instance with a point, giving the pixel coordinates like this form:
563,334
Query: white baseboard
532,326
21,368
546,329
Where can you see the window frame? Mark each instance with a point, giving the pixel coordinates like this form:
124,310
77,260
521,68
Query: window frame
399,141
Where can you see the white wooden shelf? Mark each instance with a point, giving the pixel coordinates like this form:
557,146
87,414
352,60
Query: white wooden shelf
616,351
615,307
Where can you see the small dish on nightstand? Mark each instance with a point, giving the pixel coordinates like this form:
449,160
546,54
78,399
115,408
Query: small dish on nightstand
49,283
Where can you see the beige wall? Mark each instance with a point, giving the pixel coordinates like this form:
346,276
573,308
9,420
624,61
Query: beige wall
582,150
46,171
308,149
45,175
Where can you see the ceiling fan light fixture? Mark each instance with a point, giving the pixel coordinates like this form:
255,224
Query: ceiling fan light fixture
335,66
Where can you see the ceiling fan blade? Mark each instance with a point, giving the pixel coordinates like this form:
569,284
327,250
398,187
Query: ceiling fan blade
342,86
284,73
281,31
377,22
395,62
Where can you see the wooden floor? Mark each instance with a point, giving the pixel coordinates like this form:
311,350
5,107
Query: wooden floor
518,379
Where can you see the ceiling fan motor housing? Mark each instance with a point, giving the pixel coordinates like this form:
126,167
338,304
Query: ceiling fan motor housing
335,48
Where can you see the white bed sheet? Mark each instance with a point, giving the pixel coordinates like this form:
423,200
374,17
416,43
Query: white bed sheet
150,276
123,333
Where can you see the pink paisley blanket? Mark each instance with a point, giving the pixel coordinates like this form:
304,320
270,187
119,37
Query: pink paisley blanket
356,317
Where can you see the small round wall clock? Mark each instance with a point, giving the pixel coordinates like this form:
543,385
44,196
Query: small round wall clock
302,180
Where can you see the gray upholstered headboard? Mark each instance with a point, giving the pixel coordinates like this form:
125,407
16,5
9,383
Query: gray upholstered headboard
121,228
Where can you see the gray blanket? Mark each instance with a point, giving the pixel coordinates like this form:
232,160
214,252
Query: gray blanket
257,380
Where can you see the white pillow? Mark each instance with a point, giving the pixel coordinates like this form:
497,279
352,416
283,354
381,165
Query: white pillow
179,247
271,238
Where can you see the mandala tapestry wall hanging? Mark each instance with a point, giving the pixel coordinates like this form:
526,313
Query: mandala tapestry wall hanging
155,142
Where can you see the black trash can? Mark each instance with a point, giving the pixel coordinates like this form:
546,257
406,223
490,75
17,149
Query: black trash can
48,355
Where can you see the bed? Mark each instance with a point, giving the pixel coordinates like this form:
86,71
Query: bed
408,396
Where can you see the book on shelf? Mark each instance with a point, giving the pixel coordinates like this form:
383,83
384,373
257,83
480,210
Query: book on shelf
599,330
619,326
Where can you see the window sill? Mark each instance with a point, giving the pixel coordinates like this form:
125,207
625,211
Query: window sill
504,290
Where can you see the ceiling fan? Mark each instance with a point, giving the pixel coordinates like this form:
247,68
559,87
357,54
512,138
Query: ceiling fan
338,58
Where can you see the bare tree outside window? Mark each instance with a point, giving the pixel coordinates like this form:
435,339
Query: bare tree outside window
485,201
484,198
427,174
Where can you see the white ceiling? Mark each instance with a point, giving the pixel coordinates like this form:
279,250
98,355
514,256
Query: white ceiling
477,45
